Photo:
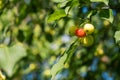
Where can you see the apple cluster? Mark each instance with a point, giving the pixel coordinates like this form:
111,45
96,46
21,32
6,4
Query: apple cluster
83,33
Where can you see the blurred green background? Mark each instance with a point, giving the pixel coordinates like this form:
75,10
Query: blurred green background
29,45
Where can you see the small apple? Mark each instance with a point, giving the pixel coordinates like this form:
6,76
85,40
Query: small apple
106,23
88,28
80,32
72,30
88,41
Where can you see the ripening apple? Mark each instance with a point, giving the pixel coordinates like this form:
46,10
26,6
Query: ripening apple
80,32
72,30
88,41
88,28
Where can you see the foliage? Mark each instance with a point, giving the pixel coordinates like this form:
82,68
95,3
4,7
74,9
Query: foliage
10,56
56,15
117,37
35,43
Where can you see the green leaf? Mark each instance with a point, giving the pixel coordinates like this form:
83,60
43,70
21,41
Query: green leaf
58,1
58,66
56,15
9,56
71,49
62,4
105,1
73,4
106,14
117,37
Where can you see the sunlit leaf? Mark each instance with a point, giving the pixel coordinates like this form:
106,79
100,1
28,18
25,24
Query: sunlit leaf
117,37
105,1
62,4
56,15
58,66
9,56
57,1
